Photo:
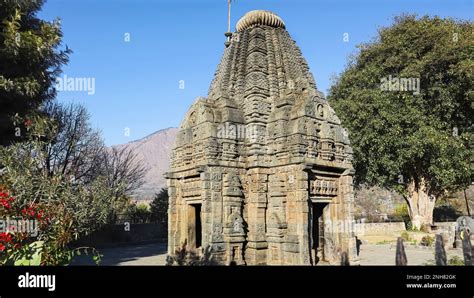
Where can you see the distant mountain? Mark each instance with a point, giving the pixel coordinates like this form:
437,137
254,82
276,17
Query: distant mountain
154,151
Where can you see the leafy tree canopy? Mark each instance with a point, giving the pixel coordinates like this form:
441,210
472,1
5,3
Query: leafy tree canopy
401,133
159,206
406,98
30,61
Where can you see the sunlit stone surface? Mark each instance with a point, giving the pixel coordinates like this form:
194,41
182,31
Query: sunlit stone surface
261,172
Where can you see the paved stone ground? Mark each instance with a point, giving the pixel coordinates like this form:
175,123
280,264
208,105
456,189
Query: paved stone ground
130,255
155,254
384,254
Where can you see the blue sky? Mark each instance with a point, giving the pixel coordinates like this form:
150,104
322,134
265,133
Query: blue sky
137,82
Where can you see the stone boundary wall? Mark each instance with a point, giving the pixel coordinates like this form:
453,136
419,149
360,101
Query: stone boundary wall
377,228
111,235
446,225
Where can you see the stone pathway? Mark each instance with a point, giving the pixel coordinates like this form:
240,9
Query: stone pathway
155,254
384,254
130,255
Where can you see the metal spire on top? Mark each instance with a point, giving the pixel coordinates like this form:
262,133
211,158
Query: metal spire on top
228,34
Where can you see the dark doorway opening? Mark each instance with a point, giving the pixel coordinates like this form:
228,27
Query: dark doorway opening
317,231
194,225
197,209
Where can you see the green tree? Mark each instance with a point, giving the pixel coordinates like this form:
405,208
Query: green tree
73,209
139,212
159,206
63,166
30,61
406,98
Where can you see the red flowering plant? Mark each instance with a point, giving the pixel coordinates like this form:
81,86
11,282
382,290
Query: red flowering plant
45,239
64,209
19,228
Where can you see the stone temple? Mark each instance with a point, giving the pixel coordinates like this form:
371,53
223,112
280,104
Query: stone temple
261,172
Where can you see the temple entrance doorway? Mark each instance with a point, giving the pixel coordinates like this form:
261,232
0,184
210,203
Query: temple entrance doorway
194,226
317,232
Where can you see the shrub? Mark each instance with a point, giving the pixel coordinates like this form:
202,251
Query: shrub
191,257
427,240
17,245
455,261
139,213
405,236
70,206
44,242
425,228
401,212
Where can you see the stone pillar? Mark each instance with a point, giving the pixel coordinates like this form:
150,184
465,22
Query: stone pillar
206,209
234,232
216,218
255,252
347,196
172,217
302,215
296,245
276,218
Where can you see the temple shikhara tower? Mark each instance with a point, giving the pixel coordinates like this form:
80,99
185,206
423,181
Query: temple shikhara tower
261,172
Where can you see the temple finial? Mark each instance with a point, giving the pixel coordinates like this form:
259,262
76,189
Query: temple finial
228,34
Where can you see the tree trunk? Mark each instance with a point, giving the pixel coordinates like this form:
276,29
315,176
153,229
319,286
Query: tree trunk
420,204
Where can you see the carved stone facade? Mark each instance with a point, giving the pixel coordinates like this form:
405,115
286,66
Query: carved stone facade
261,172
